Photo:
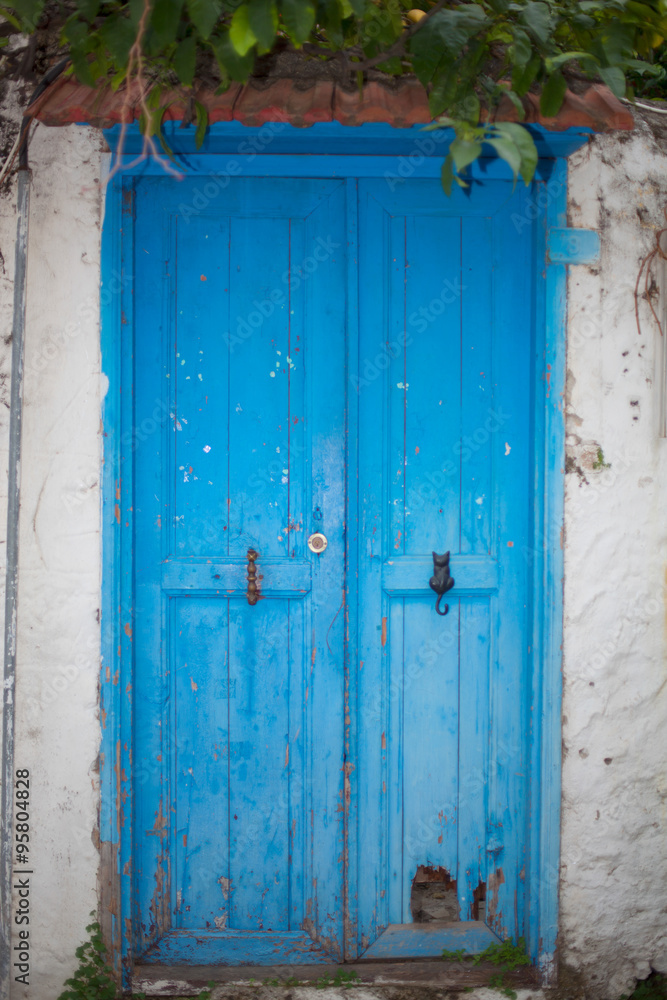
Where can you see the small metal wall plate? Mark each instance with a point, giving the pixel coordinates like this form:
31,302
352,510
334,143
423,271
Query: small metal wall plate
317,543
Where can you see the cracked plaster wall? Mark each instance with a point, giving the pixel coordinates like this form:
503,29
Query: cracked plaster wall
614,871
614,863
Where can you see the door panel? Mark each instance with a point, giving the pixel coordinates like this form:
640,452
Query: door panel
443,467
240,838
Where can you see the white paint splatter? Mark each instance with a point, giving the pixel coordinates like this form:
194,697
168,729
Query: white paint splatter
272,374
480,500
507,448
207,448
401,385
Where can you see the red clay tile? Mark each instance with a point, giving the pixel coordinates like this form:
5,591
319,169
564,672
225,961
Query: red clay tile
375,104
609,109
282,101
220,107
401,106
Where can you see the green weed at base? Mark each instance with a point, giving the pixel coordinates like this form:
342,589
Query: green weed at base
342,978
508,957
653,988
93,979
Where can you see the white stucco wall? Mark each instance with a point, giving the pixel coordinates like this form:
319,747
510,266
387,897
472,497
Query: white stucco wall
614,873
57,727
614,862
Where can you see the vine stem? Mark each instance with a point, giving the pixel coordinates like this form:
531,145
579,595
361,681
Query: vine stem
135,81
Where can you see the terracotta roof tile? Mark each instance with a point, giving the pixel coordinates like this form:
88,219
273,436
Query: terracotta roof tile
281,100
401,105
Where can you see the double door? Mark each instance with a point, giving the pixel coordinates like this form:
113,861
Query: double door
332,381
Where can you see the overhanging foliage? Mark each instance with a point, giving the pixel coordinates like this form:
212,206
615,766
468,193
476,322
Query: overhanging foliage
468,56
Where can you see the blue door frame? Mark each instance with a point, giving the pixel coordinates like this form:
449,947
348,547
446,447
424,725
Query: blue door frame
336,151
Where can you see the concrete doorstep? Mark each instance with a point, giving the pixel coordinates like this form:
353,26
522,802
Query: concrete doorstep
416,980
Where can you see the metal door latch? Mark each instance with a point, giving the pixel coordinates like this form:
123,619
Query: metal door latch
252,593
441,581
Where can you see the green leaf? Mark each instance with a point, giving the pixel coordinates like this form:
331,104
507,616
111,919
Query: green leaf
204,15
614,78
393,66
230,62
522,80
298,18
537,20
136,9
552,94
443,92
443,122
332,23
522,48
263,22
506,149
241,34
565,57
525,144
165,19
447,175
88,9
76,32
445,33
359,7
464,152
81,66
28,12
202,124
118,34
185,61
13,20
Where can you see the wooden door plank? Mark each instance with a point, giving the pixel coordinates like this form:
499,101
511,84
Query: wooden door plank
430,940
202,689
236,948
512,454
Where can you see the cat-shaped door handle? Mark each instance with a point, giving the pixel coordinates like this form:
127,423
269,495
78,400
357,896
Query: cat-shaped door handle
441,581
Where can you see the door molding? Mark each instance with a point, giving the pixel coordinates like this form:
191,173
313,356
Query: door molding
119,437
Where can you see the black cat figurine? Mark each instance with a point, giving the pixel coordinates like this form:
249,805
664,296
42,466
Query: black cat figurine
441,581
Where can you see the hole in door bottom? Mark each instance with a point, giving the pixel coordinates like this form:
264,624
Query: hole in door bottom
433,896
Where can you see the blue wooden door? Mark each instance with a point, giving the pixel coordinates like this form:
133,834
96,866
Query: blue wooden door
240,375
444,392
327,356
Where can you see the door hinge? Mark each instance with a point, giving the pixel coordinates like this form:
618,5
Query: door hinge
573,246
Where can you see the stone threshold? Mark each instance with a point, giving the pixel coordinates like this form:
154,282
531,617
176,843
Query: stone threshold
386,979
